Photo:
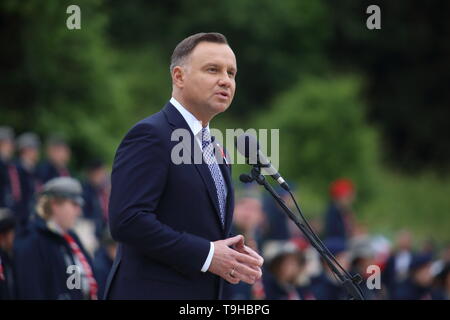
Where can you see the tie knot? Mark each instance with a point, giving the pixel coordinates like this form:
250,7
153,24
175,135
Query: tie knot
206,137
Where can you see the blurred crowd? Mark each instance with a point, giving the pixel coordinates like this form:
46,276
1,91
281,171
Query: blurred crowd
50,221
293,269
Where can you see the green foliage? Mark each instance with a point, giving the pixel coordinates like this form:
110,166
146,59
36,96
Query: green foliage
407,70
323,135
71,86
93,84
273,40
419,203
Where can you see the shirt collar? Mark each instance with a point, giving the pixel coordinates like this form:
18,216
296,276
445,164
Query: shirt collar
194,124
53,226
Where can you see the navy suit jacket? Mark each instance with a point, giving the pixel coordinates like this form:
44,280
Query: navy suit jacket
163,215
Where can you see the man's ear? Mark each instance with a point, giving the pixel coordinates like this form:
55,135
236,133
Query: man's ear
178,76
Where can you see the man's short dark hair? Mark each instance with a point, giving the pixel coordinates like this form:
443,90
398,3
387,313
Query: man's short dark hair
185,47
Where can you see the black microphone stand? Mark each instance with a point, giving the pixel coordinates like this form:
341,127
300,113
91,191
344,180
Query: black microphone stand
350,283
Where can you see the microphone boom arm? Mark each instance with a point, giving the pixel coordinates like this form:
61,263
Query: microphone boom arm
350,283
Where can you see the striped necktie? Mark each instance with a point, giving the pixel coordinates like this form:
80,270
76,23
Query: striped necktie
93,287
210,159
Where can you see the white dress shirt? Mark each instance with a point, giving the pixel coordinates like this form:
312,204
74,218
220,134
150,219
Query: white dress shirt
196,127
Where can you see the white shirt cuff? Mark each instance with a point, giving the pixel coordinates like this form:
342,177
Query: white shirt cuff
209,258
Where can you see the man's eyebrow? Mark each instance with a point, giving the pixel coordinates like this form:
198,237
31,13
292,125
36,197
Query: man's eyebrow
211,64
215,64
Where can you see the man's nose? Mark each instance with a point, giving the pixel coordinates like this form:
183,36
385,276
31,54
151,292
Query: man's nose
225,80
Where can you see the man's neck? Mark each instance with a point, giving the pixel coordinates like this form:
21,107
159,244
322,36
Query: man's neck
203,119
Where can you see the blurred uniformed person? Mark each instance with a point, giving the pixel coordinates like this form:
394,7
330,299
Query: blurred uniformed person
103,261
285,263
362,257
58,157
442,283
51,261
28,146
9,177
398,264
339,220
96,190
7,273
327,286
418,284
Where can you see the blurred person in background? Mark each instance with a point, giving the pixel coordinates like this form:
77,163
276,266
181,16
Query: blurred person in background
277,222
446,254
429,246
285,263
96,190
9,177
58,157
362,257
418,284
339,219
51,261
442,283
28,145
326,286
8,290
103,260
248,219
398,264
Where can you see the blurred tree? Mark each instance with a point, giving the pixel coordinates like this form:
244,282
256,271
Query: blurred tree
323,135
60,80
273,40
92,84
408,69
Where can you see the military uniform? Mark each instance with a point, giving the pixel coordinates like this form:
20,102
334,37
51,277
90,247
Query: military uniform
409,289
27,179
326,286
7,171
52,263
8,290
48,170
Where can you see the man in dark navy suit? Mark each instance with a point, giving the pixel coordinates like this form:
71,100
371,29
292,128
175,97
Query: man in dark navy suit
172,220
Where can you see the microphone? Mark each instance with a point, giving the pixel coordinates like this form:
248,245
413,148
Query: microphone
248,146
245,178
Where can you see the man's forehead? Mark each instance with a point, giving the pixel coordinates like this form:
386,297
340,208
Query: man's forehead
210,52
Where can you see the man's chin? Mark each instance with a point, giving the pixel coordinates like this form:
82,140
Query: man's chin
220,107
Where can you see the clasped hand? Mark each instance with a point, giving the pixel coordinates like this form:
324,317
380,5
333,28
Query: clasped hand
235,262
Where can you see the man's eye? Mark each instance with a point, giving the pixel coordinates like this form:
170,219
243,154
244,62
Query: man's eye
212,69
231,74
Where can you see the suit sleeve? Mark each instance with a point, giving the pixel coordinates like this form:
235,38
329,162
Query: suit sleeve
138,179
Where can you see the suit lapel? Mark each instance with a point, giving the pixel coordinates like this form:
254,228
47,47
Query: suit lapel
177,121
230,196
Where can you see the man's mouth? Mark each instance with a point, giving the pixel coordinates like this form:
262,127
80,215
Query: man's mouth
223,94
